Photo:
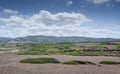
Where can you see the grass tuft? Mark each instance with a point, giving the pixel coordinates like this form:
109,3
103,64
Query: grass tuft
39,60
109,62
78,62
71,62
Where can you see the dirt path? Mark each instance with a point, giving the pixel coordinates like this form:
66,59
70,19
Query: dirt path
9,64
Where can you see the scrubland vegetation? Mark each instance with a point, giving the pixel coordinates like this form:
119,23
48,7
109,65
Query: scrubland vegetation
68,49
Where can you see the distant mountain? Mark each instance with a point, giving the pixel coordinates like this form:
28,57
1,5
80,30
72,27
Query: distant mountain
5,39
47,39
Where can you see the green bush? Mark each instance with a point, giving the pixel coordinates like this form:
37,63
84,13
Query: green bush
104,43
70,62
94,46
32,53
109,62
117,46
78,62
39,60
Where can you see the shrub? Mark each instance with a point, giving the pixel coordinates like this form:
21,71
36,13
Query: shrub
104,43
109,62
39,60
32,53
70,62
94,46
117,46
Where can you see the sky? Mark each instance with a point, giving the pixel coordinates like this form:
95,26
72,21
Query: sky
86,18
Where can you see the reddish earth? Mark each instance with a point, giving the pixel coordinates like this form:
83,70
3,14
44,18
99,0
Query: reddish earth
9,64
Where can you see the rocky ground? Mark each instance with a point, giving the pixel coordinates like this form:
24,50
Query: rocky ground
9,64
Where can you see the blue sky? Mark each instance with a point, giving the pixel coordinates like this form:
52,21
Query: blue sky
89,18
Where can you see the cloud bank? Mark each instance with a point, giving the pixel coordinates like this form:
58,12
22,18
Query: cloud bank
9,11
50,24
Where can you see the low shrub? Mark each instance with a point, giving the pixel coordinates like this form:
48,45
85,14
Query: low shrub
39,60
104,43
117,46
78,62
71,62
109,62
32,53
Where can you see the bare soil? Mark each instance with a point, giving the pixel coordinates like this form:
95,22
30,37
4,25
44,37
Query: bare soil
9,64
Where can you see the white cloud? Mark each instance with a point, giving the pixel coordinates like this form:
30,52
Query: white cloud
69,3
5,33
3,20
59,19
46,23
9,11
100,1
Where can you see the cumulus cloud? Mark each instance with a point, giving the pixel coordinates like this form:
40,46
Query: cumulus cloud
9,11
46,23
59,19
69,3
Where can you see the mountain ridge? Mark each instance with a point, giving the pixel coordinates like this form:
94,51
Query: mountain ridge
47,39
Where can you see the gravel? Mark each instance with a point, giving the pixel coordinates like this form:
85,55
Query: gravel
9,64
